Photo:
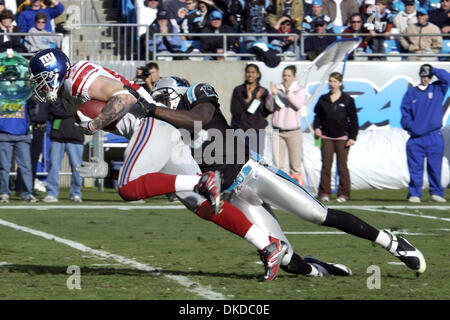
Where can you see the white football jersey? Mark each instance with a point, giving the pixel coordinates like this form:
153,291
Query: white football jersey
80,77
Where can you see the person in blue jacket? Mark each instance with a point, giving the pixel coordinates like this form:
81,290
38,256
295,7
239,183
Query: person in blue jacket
25,20
422,112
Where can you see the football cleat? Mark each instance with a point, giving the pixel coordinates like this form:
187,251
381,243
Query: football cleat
406,252
271,257
209,187
325,269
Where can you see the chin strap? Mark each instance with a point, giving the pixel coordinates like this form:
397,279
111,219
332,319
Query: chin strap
149,107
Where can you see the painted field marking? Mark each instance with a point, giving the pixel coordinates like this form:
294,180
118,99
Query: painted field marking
340,232
406,214
182,280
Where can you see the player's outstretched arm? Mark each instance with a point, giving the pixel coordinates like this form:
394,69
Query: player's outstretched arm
202,112
118,101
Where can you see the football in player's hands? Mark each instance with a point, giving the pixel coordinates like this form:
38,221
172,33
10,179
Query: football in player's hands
91,109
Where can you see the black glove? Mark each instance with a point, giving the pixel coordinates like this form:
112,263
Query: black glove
149,107
425,71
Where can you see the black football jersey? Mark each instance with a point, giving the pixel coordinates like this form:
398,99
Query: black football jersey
215,147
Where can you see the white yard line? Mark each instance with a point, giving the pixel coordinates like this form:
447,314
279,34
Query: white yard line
405,214
91,207
340,232
182,280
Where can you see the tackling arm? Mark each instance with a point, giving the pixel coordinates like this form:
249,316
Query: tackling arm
185,119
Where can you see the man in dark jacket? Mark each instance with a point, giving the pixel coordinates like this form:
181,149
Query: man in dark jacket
64,137
315,45
215,44
6,26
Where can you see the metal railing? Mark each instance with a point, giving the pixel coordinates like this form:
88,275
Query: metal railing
88,12
120,41
34,34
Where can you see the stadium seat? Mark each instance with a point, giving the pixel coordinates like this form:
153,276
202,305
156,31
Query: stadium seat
339,29
445,46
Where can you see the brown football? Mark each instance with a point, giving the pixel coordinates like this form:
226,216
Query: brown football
91,109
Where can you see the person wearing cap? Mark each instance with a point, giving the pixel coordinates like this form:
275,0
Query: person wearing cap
316,9
422,111
196,19
215,44
339,11
291,8
162,24
421,44
284,44
406,17
315,44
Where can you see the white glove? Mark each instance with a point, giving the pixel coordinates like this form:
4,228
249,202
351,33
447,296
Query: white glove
95,168
84,123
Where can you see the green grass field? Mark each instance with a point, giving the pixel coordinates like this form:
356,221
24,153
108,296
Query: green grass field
160,251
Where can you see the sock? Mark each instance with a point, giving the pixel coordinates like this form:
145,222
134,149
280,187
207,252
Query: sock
233,220
298,266
147,186
257,237
350,224
383,239
186,182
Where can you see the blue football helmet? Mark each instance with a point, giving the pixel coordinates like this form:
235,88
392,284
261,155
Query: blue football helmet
48,68
169,90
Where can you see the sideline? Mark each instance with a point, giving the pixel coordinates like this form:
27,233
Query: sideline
182,280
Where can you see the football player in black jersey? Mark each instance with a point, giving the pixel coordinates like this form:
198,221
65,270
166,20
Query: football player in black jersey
253,186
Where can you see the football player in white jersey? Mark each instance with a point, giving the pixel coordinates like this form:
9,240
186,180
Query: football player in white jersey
253,186
157,161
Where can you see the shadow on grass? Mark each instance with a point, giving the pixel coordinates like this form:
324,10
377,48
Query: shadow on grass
62,270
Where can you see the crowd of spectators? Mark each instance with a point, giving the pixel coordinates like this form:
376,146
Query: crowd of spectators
381,20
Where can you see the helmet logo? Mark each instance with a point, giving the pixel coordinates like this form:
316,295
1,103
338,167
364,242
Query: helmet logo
48,59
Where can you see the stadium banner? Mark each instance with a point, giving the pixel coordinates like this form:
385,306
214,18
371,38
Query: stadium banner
378,159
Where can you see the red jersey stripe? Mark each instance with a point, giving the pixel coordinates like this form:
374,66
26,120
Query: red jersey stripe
79,78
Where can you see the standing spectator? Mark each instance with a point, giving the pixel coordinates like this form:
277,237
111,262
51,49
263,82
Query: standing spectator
314,45
288,98
26,21
441,17
422,44
336,124
422,112
146,11
380,22
176,10
288,8
197,17
34,43
65,137
6,26
284,44
339,10
316,13
215,44
15,137
249,109
406,17
355,25
249,16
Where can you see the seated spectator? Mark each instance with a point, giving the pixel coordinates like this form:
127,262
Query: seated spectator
379,25
34,43
422,44
197,17
25,21
289,8
316,9
314,45
406,17
339,14
287,43
441,17
146,11
355,25
170,44
215,44
6,26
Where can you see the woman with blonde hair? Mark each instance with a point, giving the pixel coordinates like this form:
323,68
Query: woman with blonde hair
287,99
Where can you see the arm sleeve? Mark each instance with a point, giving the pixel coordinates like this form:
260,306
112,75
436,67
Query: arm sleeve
353,120
405,109
238,104
444,78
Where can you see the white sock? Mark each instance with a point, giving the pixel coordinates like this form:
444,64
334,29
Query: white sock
314,272
383,239
257,237
185,182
